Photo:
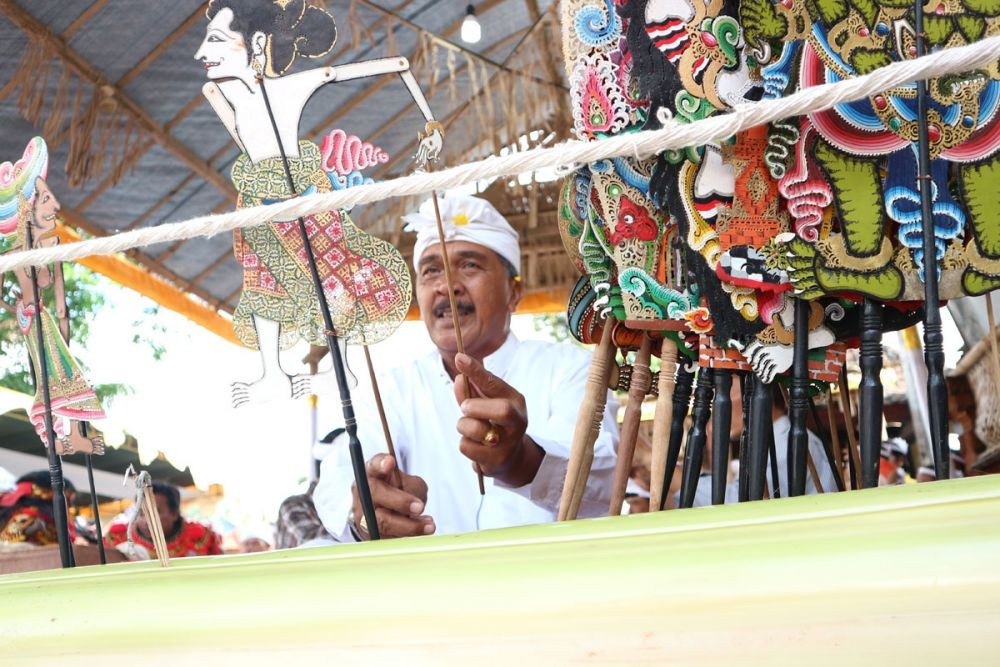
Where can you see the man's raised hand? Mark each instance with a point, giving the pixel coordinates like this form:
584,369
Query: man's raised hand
493,425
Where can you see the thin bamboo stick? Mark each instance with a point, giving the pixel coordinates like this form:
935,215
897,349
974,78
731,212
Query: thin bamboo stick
642,378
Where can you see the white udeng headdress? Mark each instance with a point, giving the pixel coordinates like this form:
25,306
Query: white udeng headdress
464,218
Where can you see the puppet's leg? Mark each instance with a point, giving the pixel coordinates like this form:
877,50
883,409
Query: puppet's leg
982,199
859,258
87,444
274,383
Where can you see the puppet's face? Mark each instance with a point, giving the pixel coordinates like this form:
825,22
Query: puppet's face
224,51
46,206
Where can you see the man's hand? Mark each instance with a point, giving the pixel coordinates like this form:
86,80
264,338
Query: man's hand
398,510
493,425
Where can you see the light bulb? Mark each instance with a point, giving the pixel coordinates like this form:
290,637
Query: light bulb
472,32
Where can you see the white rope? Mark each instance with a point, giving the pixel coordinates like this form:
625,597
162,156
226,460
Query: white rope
674,136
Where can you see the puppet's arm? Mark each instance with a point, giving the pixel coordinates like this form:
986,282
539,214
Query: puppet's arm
223,110
430,145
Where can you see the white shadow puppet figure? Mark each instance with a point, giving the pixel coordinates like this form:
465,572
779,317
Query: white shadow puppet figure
248,46
28,214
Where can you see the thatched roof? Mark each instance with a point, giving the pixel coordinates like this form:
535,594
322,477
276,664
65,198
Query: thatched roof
113,88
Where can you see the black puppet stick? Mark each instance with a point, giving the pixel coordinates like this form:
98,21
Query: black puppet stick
59,512
743,481
870,392
350,423
722,415
798,402
695,452
937,390
681,404
94,505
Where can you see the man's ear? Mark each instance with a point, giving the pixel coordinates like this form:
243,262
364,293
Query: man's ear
516,293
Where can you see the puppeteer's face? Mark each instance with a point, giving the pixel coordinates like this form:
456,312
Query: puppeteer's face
224,51
45,209
484,294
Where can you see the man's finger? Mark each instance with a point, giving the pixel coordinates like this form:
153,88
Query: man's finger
498,410
490,458
380,466
488,384
477,430
387,496
391,524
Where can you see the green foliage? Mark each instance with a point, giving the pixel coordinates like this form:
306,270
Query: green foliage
555,325
84,299
938,28
982,198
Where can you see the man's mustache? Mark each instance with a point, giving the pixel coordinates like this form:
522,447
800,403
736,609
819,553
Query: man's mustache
463,307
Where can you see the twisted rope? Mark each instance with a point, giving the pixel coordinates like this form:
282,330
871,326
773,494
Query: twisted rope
673,136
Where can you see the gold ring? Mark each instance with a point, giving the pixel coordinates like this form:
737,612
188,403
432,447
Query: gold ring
363,523
491,437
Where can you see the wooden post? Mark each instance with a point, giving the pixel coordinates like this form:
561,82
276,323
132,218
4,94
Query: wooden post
661,423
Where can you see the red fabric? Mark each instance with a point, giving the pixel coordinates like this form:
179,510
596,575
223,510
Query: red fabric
22,490
193,539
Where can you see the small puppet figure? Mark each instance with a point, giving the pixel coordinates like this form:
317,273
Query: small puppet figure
248,48
28,212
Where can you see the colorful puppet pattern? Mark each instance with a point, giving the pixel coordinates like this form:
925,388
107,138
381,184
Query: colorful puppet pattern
28,214
248,48
850,173
609,223
366,281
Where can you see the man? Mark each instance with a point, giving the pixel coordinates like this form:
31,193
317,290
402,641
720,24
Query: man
516,426
184,538
298,523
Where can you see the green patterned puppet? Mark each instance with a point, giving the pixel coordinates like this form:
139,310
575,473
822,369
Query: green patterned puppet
28,216
248,49
849,175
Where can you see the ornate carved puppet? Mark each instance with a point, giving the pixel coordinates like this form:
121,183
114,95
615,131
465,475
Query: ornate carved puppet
690,60
849,175
28,210
248,49
617,234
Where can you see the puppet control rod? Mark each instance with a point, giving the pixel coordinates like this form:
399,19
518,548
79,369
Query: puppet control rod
59,512
350,423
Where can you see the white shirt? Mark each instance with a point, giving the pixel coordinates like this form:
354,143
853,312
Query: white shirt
423,414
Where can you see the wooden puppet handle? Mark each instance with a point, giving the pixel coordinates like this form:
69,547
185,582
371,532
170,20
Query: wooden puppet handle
835,438
661,422
588,420
642,379
845,406
397,481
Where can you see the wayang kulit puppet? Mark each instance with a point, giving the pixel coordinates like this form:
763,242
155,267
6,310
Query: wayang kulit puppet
824,208
28,218
247,52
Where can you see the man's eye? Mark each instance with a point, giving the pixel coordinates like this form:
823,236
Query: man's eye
213,38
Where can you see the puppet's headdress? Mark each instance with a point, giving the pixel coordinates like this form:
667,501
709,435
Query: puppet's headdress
17,190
